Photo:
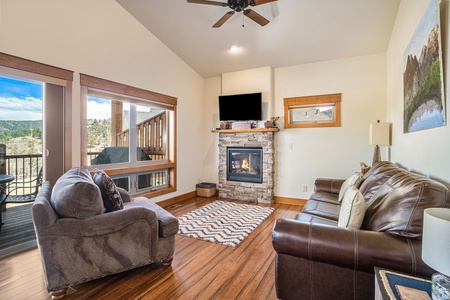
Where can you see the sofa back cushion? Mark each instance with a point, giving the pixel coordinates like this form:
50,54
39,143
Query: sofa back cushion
397,207
373,179
75,195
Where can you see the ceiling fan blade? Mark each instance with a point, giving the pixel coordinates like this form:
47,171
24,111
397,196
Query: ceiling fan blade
223,19
223,4
256,17
259,2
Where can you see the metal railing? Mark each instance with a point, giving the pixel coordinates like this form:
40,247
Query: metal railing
24,167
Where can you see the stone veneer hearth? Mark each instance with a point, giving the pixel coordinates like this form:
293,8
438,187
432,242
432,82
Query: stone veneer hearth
253,192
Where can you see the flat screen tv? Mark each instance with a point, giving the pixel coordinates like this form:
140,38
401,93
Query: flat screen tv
241,107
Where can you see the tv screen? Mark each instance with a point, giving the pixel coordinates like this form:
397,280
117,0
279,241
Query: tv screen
242,107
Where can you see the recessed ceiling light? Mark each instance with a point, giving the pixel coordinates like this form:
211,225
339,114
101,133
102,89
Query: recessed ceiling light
234,48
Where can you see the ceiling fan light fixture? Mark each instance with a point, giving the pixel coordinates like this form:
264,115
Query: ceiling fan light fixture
234,48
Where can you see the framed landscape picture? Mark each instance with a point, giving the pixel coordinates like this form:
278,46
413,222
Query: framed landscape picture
423,89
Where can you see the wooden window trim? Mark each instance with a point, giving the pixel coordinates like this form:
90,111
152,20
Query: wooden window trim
91,82
309,101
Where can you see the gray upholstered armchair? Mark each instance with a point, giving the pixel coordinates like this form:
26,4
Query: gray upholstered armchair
92,243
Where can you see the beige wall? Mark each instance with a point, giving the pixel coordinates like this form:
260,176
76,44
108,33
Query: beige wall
317,152
336,151
426,151
101,39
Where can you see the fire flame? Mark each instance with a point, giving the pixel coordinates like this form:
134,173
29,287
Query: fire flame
245,164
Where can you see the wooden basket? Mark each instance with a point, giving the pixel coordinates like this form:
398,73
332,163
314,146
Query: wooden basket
206,189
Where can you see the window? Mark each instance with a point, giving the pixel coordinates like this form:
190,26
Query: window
313,111
130,135
57,114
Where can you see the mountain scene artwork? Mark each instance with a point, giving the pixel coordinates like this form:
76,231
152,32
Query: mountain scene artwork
423,93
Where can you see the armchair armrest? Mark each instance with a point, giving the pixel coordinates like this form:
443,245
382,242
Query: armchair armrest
347,248
328,185
102,224
124,194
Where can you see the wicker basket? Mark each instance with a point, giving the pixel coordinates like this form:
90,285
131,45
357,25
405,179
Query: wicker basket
206,189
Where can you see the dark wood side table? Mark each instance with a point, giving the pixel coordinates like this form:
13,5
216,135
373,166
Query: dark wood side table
3,179
386,282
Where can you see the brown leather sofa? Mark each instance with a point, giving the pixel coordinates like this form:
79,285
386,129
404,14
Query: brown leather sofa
316,259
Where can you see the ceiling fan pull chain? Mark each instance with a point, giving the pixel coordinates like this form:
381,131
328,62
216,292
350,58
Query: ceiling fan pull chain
243,20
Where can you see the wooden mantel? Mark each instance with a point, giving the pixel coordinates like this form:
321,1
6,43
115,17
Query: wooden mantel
245,130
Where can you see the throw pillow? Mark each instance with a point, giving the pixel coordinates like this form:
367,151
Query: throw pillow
351,181
110,195
352,210
75,195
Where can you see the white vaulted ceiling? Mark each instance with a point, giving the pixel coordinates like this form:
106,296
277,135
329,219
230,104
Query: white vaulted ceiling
299,32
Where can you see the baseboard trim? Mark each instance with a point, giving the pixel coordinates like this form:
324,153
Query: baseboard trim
177,199
290,201
193,194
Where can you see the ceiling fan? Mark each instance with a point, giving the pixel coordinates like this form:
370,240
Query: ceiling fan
237,6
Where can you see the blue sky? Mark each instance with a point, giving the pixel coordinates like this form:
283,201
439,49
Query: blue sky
20,100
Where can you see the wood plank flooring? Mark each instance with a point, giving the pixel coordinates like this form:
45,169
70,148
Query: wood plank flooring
200,270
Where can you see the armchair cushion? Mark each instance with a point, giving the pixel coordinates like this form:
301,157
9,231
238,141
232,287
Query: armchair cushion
75,195
112,199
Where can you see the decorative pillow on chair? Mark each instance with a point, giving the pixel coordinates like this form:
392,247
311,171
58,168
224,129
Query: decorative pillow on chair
110,195
351,181
353,208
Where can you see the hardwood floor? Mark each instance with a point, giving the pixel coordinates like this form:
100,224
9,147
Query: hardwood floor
200,270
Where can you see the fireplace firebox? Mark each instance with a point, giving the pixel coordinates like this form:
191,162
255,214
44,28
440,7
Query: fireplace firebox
245,164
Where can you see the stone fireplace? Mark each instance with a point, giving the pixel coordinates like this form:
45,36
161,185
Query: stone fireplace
246,164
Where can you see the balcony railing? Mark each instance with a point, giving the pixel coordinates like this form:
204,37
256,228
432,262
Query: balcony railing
150,136
24,167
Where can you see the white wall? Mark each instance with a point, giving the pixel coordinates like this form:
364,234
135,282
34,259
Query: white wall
101,39
335,151
210,172
425,151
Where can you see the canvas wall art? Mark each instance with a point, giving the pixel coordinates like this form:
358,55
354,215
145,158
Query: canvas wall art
423,91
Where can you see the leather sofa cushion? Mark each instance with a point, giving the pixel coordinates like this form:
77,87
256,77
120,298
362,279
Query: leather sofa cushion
75,195
324,196
326,210
376,177
397,207
307,218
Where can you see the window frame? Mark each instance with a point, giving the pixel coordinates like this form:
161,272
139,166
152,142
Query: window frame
313,102
137,96
18,67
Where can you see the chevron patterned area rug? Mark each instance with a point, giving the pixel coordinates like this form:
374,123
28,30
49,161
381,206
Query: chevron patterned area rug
221,222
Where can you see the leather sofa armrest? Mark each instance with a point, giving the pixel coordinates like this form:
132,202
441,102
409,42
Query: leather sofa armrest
348,248
328,185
